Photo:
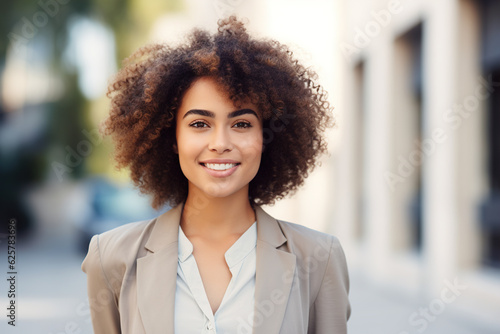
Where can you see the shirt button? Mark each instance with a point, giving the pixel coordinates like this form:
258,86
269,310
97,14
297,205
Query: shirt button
210,327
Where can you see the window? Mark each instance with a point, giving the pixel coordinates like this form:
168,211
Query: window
490,207
408,158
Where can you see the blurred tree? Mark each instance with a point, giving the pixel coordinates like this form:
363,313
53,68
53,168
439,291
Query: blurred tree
24,21
131,22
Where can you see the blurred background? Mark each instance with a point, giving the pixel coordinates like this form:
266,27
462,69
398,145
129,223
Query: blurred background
411,185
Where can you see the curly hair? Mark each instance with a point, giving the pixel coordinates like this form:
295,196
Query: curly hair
146,93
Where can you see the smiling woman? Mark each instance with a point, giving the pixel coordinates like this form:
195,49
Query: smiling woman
190,122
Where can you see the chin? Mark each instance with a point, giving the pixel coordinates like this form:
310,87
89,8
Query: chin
218,190
220,194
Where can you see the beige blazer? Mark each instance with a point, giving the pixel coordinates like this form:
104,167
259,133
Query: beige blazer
301,279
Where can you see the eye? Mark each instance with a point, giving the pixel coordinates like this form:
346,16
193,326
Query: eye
242,125
198,124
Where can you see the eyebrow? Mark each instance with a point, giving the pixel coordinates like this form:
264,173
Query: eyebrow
211,114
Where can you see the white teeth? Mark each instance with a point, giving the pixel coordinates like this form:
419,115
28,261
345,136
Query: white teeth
220,166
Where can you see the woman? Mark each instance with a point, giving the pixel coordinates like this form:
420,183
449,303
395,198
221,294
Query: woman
217,127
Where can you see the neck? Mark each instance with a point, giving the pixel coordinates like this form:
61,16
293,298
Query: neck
216,217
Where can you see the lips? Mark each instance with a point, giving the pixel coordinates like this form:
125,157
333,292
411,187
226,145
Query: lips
220,168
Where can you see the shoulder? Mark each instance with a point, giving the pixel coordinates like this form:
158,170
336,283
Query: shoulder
316,251
111,254
121,240
122,246
302,241
320,258
306,240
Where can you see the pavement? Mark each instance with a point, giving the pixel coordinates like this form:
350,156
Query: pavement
379,310
51,293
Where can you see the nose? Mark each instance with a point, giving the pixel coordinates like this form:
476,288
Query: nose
220,141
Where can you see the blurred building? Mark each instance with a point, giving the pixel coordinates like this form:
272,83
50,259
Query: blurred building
418,165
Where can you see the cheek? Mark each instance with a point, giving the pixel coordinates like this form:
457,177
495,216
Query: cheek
188,145
253,148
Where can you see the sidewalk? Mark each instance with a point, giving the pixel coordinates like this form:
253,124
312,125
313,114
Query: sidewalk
51,289
377,311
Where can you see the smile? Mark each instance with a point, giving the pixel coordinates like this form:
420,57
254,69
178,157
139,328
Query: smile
220,166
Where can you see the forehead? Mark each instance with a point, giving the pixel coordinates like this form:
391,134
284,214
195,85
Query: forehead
205,90
205,93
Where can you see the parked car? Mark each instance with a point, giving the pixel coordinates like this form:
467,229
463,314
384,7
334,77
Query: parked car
112,205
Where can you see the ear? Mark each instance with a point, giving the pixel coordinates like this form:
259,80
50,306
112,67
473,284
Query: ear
176,150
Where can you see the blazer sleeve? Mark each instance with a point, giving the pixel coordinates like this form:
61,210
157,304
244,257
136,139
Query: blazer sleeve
102,300
331,307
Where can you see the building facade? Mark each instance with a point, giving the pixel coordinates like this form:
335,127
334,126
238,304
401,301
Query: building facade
417,168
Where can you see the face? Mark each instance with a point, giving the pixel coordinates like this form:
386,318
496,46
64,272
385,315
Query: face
219,145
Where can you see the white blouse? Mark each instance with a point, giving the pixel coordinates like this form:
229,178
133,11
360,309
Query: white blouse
193,313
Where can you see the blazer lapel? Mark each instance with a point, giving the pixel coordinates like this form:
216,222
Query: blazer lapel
274,275
157,275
